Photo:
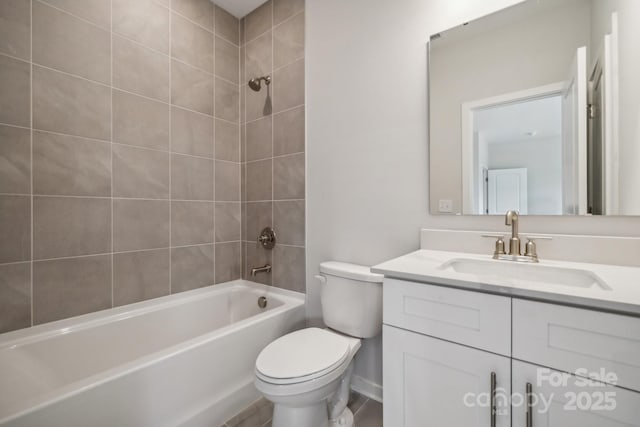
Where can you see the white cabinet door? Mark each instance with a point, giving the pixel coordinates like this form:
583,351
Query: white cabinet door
568,339
475,319
562,400
433,383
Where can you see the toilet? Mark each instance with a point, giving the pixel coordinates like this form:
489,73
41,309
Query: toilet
307,373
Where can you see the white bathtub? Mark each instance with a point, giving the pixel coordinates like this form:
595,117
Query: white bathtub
180,360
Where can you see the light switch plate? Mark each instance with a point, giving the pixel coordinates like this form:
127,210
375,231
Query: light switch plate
445,206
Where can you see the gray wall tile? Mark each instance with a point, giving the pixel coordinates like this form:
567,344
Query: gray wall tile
70,226
192,223
140,70
227,217
191,88
140,224
227,182
191,178
191,43
283,9
289,177
191,133
288,86
259,57
258,21
144,21
96,11
227,101
199,11
140,172
288,41
66,104
289,132
69,44
259,180
227,60
139,276
227,141
256,256
15,228
69,165
15,28
15,160
227,25
192,267
228,262
70,287
258,216
289,267
14,86
140,121
259,139
288,221
15,296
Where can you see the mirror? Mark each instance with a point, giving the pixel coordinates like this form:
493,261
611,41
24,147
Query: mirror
536,108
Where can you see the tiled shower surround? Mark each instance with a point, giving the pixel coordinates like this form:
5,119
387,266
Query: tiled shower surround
120,160
120,151
273,141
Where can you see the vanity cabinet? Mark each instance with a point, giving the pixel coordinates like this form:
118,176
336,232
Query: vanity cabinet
446,350
427,381
563,400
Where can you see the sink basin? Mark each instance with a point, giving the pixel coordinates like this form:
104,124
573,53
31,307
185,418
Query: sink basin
526,273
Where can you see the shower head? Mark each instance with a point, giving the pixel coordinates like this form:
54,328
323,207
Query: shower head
256,85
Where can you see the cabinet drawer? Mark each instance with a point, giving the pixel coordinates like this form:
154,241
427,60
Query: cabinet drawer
471,318
563,400
568,339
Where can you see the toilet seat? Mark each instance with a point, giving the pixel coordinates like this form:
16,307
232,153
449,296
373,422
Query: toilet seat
302,356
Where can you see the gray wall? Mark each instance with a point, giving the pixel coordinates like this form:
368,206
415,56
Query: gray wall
273,135
119,153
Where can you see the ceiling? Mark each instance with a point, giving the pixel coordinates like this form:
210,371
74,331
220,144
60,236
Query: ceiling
239,8
516,121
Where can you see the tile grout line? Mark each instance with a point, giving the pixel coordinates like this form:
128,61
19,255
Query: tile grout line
112,203
213,101
31,149
170,145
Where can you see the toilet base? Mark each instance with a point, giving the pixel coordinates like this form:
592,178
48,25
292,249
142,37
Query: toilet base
310,415
344,420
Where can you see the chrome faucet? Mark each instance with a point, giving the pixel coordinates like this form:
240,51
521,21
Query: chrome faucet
264,269
511,219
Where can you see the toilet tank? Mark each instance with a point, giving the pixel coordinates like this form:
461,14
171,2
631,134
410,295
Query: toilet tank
351,299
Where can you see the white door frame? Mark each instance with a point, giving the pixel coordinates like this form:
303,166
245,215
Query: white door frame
468,108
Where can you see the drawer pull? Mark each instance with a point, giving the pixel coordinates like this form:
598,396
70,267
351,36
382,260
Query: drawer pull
529,396
493,399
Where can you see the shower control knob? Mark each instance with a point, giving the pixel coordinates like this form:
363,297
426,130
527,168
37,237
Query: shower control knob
267,238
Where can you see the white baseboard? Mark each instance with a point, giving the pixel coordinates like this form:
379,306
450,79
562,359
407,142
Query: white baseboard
366,388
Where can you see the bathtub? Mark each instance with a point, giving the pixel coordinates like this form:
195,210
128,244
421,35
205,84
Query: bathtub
181,360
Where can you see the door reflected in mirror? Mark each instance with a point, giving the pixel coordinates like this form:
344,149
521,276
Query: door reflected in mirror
536,108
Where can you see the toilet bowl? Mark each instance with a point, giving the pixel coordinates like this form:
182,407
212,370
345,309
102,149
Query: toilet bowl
307,373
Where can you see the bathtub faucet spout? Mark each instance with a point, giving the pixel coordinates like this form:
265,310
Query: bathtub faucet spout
264,269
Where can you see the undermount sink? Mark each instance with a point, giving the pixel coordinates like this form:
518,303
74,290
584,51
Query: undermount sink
526,273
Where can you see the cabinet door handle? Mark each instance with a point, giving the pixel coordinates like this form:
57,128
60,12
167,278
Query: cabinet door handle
493,399
529,397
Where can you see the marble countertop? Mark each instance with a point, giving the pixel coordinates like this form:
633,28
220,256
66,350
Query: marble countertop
623,295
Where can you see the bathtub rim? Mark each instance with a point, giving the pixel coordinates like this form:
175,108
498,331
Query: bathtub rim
291,300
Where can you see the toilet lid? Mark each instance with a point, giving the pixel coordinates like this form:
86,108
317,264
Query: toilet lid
301,354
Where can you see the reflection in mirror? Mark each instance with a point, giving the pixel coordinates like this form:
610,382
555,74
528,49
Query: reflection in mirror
536,108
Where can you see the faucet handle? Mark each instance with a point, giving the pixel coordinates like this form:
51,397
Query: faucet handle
499,250
530,249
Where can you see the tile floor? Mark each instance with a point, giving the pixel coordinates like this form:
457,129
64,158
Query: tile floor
368,413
